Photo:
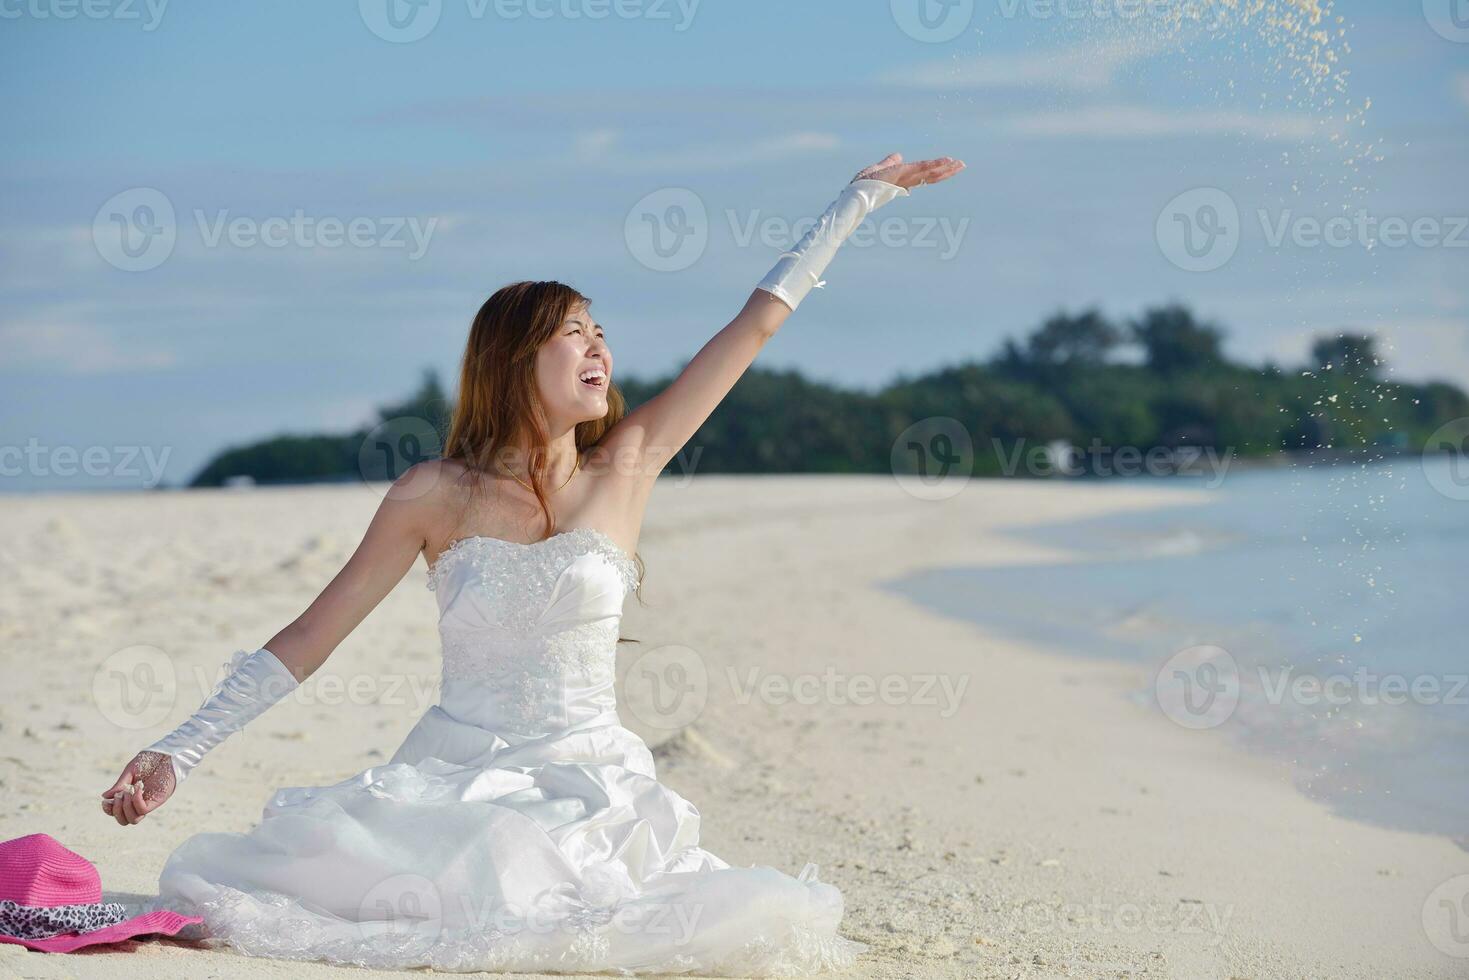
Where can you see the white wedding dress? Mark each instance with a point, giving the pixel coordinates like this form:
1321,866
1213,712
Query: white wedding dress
520,826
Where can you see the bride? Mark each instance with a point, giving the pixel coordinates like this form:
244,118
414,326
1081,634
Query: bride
519,826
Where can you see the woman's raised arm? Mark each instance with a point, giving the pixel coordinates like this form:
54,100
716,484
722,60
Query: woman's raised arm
659,428
256,681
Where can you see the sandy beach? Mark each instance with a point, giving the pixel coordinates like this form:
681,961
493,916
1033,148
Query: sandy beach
987,808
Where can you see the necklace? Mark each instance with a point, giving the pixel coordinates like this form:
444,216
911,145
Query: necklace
575,463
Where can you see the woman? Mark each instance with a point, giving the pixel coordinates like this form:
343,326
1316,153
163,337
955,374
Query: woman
519,826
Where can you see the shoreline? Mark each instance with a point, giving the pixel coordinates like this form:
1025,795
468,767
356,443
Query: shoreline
1273,461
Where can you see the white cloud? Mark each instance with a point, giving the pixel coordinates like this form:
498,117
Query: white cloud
1134,122
1083,67
594,144
65,347
601,145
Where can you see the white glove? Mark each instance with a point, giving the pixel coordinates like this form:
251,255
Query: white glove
255,682
800,269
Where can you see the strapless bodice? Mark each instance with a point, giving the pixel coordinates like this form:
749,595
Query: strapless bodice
529,631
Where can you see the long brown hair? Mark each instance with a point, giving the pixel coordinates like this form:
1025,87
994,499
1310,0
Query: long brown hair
498,406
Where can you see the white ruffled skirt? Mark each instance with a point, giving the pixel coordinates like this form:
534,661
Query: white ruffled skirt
560,854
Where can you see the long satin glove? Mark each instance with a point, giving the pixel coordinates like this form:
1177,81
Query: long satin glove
255,682
799,270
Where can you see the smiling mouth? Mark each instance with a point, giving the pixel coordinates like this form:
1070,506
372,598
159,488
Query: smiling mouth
594,378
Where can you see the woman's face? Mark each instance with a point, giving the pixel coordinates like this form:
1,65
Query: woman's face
576,352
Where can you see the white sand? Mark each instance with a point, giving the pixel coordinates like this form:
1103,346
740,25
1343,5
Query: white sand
1051,825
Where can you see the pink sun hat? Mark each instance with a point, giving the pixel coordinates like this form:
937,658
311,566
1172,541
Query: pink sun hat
37,872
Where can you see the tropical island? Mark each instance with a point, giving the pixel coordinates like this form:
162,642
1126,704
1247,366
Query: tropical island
1156,386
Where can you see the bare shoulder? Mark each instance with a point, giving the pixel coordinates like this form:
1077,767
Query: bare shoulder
428,496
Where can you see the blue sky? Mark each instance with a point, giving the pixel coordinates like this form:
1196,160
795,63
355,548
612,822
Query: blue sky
533,138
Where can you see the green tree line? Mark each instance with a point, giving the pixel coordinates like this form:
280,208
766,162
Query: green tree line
1158,381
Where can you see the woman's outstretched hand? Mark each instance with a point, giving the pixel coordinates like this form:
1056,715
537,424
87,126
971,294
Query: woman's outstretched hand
893,170
145,785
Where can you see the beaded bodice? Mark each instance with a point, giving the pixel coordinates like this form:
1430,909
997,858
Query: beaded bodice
529,631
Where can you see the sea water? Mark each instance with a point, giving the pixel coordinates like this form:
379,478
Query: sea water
1335,595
